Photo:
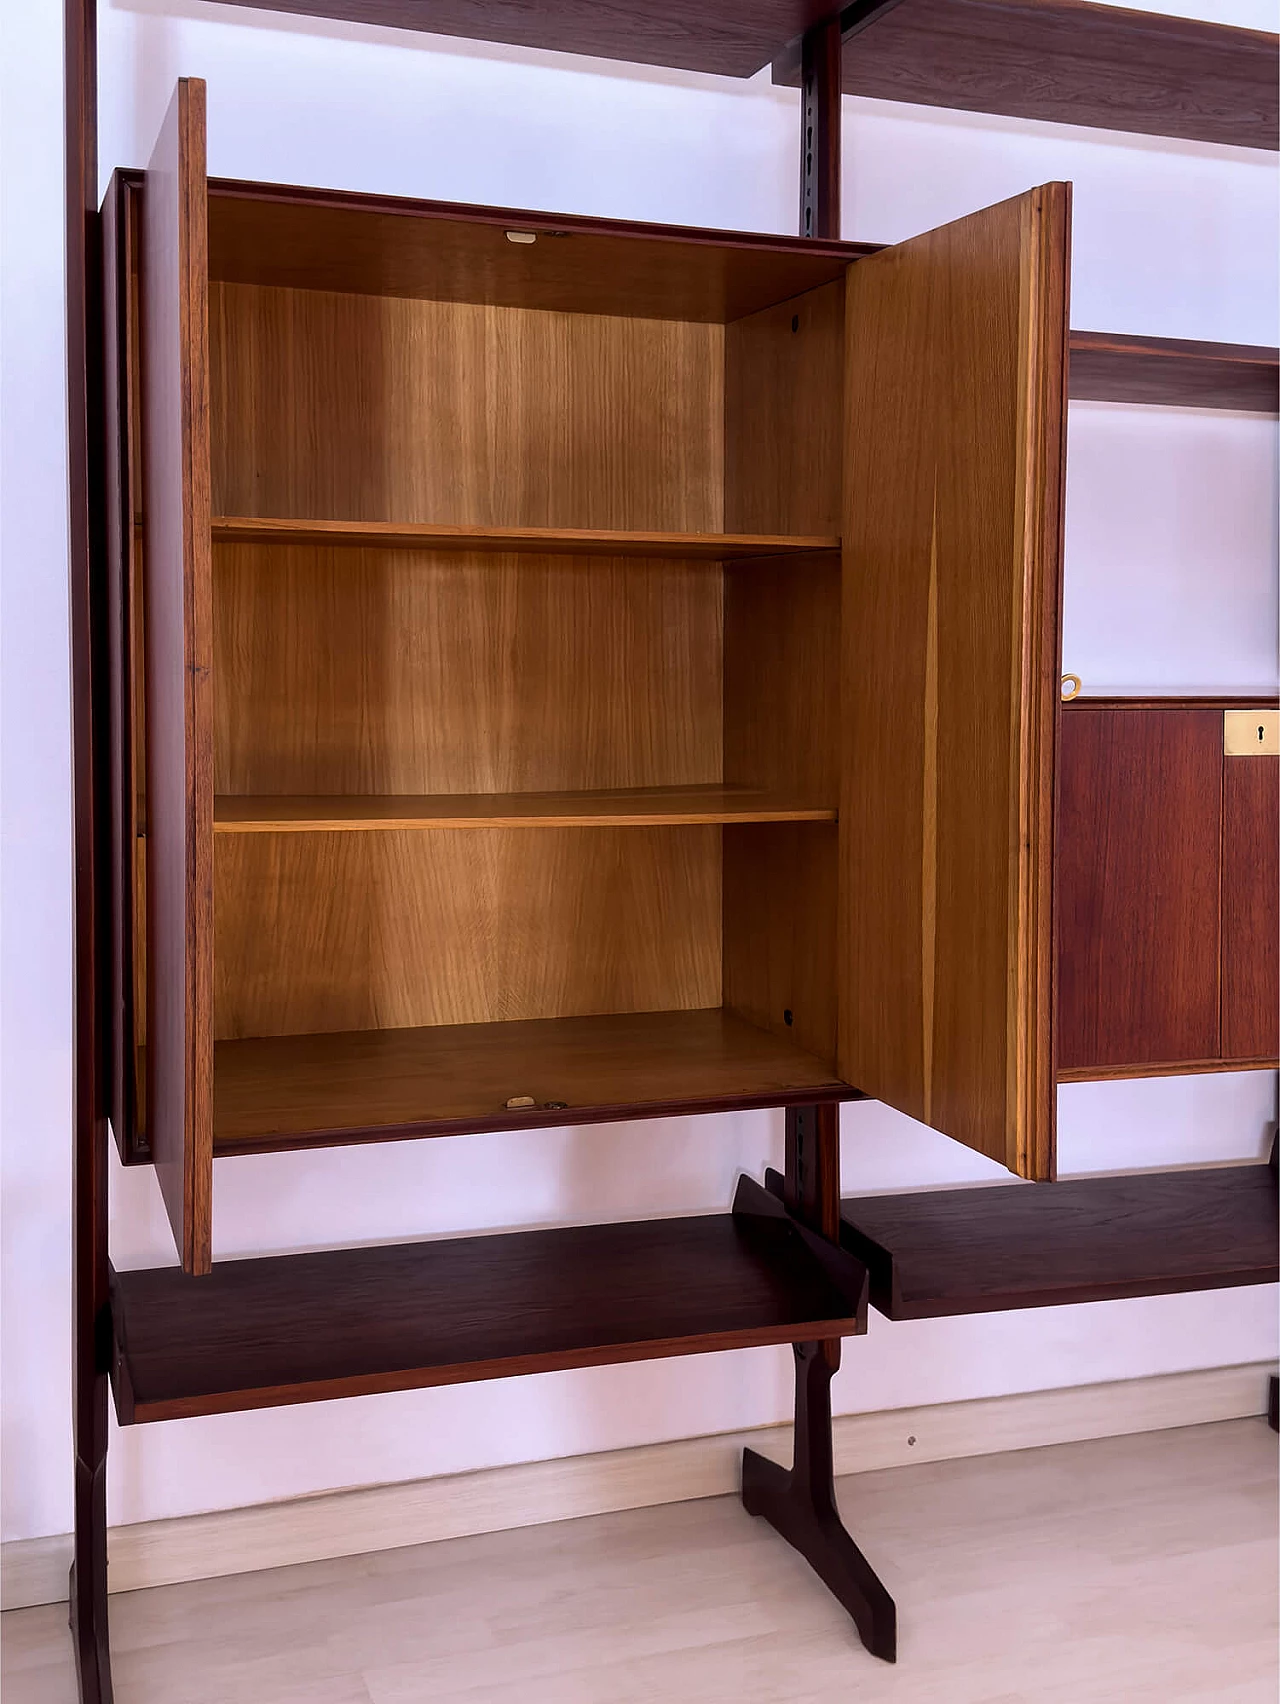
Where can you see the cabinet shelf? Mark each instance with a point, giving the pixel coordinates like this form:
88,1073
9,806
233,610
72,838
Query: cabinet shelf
543,541
959,1251
352,1322
626,807
302,1091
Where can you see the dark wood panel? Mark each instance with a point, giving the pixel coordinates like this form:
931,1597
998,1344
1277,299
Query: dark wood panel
733,38
441,251
373,1085
308,1327
1068,62
1139,811
1250,908
178,589
955,414
959,1251
1173,372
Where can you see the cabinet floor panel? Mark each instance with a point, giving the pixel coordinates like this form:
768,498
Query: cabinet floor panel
506,541
310,1327
623,807
958,1251
371,1085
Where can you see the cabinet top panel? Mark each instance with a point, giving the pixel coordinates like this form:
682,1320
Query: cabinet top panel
440,251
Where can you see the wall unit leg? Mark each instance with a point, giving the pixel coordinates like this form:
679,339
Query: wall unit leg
801,1503
88,1593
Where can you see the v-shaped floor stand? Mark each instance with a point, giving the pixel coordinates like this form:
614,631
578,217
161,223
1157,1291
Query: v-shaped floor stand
800,1503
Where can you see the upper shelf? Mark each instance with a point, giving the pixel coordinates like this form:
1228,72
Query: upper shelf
1109,367
1066,62
546,541
721,36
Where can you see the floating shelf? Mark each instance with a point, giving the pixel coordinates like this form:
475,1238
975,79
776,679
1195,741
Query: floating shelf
1065,62
309,1327
371,1085
545,541
1175,372
960,1251
629,807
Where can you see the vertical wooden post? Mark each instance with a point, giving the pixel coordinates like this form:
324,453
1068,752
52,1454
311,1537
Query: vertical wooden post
91,1316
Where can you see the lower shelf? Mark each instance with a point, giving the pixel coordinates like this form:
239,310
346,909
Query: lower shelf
308,1327
959,1251
451,1079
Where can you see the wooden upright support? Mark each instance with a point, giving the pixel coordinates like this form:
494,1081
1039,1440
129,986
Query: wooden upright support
91,1328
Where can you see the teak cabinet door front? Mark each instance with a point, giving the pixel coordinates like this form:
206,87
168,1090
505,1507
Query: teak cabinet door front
178,583
954,442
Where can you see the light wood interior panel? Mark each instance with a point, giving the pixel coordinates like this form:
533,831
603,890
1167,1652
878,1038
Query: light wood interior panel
385,672
366,931
783,470
178,658
955,414
345,407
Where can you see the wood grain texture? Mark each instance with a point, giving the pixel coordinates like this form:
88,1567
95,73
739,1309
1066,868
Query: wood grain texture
636,807
732,38
954,430
783,469
310,1091
547,541
375,672
179,658
958,1251
1250,908
1173,372
358,931
310,1327
1070,62
371,408
317,239
1139,860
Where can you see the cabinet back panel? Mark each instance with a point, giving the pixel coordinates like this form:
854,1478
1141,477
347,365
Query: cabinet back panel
337,407
368,931
346,671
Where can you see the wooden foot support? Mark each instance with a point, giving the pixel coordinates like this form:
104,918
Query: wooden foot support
800,1504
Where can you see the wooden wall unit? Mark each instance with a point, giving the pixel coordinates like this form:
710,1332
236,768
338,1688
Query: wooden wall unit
1167,878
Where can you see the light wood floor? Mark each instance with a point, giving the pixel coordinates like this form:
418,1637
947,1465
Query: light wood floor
1123,1571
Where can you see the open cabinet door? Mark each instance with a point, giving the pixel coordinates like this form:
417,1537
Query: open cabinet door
954,444
178,582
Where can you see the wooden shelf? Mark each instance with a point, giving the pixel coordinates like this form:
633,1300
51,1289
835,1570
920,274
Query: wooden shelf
544,541
960,1251
1174,372
309,1327
1065,62
372,1085
628,807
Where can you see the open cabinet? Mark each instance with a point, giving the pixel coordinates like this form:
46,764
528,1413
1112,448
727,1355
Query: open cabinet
588,671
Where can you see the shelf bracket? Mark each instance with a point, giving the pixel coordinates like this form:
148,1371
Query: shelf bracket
800,1502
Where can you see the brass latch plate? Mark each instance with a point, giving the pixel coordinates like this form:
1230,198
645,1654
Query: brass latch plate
1251,733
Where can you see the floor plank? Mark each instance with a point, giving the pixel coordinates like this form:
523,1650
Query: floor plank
1132,1569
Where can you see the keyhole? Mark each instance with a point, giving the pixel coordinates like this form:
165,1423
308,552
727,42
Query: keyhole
1261,734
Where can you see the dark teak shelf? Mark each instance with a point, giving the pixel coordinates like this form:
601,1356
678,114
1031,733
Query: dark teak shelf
1176,372
959,1251
309,1327
1065,62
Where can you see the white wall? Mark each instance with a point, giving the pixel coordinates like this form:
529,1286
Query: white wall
1170,580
